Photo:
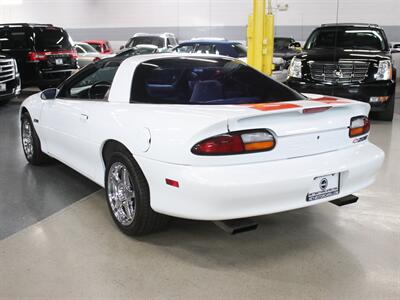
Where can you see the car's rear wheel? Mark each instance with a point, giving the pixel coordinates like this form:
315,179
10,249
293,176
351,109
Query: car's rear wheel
31,143
128,196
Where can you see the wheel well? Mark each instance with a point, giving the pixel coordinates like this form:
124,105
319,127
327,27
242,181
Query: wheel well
110,147
24,110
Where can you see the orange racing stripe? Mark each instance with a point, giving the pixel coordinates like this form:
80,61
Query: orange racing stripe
272,106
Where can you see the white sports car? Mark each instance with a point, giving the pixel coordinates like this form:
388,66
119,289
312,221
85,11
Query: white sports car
199,137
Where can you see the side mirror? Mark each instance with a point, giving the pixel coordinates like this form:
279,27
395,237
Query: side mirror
122,47
49,94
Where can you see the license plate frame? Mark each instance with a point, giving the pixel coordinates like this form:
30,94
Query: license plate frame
3,87
324,186
59,61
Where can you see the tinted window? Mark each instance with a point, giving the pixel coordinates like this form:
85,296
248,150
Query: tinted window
147,40
205,81
82,86
240,49
136,51
88,48
171,42
282,43
347,38
97,47
51,38
13,38
79,49
185,49
206,49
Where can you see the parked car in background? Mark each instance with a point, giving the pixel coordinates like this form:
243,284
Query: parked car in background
87,54
10,81
44,53
138,50
395,50
102,46
229,48
199,137
163,41
286,48
348,60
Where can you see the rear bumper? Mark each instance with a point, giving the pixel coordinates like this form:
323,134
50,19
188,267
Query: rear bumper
361,92
34,75
239,191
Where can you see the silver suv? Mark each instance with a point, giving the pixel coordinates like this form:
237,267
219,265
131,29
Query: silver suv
163,41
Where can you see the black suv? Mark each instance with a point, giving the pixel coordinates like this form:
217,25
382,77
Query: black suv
10,83
44,53
347,60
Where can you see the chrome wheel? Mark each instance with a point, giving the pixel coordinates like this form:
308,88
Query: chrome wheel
121,194
27,138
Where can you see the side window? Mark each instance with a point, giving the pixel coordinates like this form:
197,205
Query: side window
171,42
13,38
159,85
206,49
94,84
79,49
185,49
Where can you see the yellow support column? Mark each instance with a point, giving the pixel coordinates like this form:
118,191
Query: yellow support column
260,38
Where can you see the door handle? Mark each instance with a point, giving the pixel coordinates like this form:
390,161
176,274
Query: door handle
84,117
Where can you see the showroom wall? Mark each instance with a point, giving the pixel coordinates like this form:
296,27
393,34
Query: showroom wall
117,20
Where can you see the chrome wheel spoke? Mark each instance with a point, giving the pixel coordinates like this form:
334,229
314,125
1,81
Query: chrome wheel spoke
27,138
125,178
121,194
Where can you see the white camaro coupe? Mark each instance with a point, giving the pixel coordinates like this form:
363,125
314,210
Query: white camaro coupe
199,137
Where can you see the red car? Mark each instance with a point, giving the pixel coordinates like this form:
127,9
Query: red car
102,46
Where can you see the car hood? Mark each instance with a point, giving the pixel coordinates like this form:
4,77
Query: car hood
336,54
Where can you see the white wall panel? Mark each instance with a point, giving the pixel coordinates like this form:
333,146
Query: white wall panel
144,13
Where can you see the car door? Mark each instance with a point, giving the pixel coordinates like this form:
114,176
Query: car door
67,119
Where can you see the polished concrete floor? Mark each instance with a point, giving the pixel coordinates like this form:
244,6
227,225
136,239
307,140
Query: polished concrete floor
57,241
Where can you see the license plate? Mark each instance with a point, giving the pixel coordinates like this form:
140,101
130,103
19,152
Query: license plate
59,61
324,187
3,87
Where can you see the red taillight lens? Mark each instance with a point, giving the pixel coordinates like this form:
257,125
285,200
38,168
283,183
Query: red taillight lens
36,56
359,126
40,56
74,54
236,143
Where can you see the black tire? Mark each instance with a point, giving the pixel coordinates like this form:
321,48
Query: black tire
37,157
145,219
388,113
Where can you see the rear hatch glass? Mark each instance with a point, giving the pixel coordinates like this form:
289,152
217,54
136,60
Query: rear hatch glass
52,39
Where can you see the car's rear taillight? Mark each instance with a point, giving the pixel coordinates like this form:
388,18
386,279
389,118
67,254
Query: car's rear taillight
359,126
41,56
36,56
239,142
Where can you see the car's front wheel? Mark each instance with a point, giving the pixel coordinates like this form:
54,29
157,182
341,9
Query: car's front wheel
30,142
128,196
